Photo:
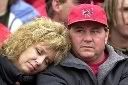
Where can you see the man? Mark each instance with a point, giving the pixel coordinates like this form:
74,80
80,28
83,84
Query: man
91,61
117,11
58,10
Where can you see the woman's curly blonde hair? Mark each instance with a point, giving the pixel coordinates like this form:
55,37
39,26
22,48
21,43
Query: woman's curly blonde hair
39,30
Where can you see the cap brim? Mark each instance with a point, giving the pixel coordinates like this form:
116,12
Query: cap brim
84,20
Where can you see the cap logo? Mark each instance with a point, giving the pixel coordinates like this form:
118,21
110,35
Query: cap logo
87,12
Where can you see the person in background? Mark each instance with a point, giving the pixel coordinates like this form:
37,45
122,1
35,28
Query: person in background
14,13
99,2
52,6
117,11
91,61
58,10
31,49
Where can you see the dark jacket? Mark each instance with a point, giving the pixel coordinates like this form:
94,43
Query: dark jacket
9,74
73,71
122,52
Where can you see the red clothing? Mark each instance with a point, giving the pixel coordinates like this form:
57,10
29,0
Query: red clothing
39,5
95,67
4,33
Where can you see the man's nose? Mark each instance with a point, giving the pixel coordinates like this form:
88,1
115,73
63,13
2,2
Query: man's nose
87,36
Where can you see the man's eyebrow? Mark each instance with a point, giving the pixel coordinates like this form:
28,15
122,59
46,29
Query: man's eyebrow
77,27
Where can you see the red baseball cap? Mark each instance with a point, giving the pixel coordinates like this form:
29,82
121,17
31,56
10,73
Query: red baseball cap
87,12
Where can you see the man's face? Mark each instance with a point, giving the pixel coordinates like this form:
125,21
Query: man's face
122,17
88,40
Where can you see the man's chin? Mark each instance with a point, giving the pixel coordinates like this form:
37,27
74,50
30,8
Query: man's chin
87,54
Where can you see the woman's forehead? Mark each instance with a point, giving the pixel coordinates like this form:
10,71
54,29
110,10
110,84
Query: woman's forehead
122,3
125,3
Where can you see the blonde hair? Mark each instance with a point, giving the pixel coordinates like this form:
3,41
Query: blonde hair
39,30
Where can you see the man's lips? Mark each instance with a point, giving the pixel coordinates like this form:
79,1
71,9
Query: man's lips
87,47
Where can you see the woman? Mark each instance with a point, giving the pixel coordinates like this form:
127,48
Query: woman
117,11
31,49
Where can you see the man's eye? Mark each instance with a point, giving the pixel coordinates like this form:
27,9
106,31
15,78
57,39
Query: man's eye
80,31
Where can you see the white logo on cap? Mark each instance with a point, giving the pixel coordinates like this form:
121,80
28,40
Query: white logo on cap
87,12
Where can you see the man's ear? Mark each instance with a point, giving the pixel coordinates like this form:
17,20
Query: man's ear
56,5
106,36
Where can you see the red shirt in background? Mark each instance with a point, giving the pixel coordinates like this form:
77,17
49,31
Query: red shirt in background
39,5
4,33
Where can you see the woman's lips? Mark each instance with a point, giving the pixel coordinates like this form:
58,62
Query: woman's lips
31,67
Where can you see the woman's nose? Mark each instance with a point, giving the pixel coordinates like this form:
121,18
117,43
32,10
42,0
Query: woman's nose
40,60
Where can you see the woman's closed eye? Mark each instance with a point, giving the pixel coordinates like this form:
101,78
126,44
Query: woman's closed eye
40,52
47,61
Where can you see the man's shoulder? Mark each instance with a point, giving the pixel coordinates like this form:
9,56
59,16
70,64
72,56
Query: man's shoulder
54,69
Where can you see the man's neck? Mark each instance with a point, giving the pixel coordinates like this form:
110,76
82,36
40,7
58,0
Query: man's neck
99,60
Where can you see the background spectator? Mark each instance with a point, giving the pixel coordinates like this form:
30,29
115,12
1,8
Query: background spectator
99,2
117,11
13,13
53,8
58,10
